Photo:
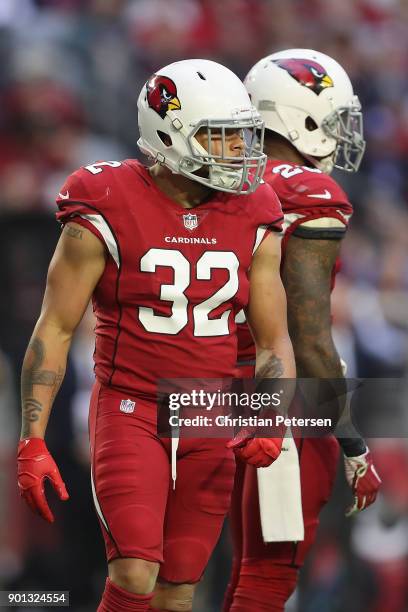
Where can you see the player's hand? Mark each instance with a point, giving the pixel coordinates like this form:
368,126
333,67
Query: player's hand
35,464
259,452
364,481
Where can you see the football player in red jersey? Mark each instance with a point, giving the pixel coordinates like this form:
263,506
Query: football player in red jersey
157,251
313,123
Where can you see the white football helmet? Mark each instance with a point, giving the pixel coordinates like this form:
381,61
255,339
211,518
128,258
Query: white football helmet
307,97
187,96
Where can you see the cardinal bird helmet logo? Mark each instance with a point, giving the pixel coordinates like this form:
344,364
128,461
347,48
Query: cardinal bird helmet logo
162,95
307,73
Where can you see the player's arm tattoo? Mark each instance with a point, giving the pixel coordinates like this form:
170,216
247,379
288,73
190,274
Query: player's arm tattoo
272,368
31,413
307,277
270,375
34,374
73,232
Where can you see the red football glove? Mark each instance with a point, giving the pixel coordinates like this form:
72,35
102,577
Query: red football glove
34,465
260,452
364,481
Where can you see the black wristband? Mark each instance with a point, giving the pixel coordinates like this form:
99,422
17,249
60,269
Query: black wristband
352,447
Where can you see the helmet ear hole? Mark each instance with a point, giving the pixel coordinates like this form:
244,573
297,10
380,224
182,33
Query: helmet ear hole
310,124
165,138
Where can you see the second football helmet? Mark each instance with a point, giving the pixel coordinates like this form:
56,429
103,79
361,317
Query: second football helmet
307,97
192,95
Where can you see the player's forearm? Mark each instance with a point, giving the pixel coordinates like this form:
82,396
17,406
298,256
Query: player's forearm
276,361
319,359
41,377
316,358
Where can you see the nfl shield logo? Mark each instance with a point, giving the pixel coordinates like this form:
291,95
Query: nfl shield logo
127,406
190,221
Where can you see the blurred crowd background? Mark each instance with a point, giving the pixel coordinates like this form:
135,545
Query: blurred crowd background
70,74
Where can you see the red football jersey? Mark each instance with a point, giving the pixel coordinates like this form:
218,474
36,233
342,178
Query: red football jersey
175,278
314,206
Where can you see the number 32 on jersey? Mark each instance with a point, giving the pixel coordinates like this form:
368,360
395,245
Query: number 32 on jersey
175,293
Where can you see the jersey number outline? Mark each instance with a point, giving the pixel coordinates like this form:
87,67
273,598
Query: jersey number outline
97,168
287,170
203,326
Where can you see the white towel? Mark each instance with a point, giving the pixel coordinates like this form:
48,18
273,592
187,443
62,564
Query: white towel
280,499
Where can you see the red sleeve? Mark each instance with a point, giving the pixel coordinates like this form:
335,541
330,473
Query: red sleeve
307,193
79,195
266,209
85,199
267,214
